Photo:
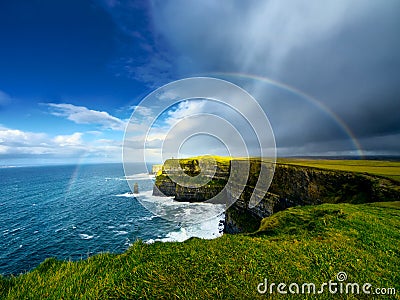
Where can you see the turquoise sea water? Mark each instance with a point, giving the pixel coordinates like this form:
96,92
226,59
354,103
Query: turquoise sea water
72,212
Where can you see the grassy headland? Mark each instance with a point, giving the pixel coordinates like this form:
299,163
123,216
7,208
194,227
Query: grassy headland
302,244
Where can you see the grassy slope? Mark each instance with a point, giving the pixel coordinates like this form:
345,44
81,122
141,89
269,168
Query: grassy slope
300,244
375,167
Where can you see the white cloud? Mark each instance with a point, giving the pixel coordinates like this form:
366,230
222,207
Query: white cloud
69,140
140,137
151,142
18,138
184,109
142,110
16,143
83,115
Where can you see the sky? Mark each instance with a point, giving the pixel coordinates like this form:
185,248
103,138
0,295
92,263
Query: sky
326,75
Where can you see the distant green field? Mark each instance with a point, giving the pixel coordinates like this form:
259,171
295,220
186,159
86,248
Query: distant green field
300,245
387,169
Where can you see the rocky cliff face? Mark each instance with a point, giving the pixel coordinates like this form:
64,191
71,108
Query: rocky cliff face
216,180
297,185
290,186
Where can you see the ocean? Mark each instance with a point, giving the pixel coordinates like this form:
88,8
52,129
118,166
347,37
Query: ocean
72,212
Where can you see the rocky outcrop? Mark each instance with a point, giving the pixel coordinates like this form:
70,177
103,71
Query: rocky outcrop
291,186
215,180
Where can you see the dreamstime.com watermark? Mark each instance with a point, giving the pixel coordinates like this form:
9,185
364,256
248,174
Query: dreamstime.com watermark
331,287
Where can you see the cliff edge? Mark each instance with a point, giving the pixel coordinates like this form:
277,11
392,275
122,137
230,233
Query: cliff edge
292,185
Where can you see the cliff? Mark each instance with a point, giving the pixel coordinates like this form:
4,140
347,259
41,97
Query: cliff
292,185
214,181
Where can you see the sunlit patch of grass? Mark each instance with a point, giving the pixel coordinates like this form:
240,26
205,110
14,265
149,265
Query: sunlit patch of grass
389,169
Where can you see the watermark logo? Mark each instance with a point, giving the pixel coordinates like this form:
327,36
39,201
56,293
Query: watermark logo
331,287
193,117
341,276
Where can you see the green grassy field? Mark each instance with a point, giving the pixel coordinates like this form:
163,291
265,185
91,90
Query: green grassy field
389,169
298,245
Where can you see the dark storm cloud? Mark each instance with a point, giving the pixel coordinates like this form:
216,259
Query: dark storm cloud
344,53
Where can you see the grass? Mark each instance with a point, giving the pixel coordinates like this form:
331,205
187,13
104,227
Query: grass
225,160
301,244
389,169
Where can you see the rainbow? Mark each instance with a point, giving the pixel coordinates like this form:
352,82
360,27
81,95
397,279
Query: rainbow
304,96
75,174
